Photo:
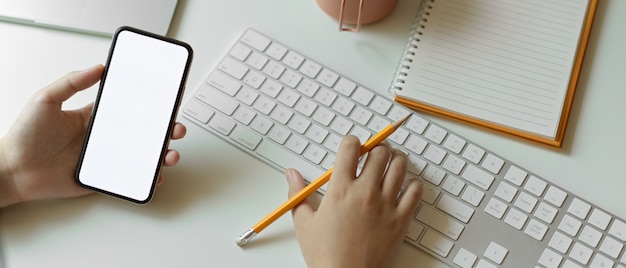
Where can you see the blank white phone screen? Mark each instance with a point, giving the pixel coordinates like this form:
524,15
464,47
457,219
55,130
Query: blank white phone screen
130,129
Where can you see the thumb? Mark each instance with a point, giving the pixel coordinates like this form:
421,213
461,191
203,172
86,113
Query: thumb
66,86
296,184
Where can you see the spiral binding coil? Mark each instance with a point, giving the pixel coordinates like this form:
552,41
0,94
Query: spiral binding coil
417,30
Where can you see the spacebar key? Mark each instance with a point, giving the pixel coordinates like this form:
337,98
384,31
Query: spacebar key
285,159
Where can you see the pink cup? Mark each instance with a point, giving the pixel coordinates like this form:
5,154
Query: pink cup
357,12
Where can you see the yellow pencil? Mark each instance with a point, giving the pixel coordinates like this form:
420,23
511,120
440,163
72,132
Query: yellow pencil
314,186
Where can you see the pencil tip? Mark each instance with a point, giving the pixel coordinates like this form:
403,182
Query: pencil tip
400,122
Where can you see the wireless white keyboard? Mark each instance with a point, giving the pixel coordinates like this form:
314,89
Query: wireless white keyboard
478,209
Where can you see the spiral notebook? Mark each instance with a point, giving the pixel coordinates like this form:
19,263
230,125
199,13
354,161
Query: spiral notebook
509,66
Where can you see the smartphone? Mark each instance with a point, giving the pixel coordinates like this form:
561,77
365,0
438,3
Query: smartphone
133,115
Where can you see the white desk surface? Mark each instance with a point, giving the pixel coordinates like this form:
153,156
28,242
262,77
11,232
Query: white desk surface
216,191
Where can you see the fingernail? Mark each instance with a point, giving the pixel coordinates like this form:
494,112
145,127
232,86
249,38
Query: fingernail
289,174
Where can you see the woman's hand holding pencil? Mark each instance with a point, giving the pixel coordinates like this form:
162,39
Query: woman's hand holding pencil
361,220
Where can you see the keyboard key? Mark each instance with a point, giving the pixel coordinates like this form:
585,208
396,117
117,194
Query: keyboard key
310,68
414,231
244,115
217,100
435,133
234,68
381,106
255,40
570,225
618,229
600,261
454,143
288,97
429,193
516,175
546,212
560,242
416,165
247,96
536,229
257,61
290,78
478,177
315,154
516,218
254,79
274,69
472,195
550,259
581,253
440,222
416,144
434,175
506,191
240,52
453,164
306,107
344,86
281,114
473,153
535,185
325,96
363,96
308,87
496,252
299,124
555,196
261,124
279,134
600,219
198,111
436,243
485,264
495,208
271,88
590,236
293,60
281,157
579,208
245,137
611,247
296,144
221,124
224,83
525,202
464,258
453,185
455,208
434,154
493,163
317,133
276,51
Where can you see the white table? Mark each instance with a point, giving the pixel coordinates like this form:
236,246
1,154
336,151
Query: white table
209,199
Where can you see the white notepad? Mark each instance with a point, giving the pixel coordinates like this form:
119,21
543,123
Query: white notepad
511,66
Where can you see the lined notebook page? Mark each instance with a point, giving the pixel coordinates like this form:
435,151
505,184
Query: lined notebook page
505,61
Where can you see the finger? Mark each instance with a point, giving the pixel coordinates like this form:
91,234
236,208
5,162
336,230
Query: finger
410,199
179,131
171,158
346,162
66,86
160,180
393,179
304,210
376,163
